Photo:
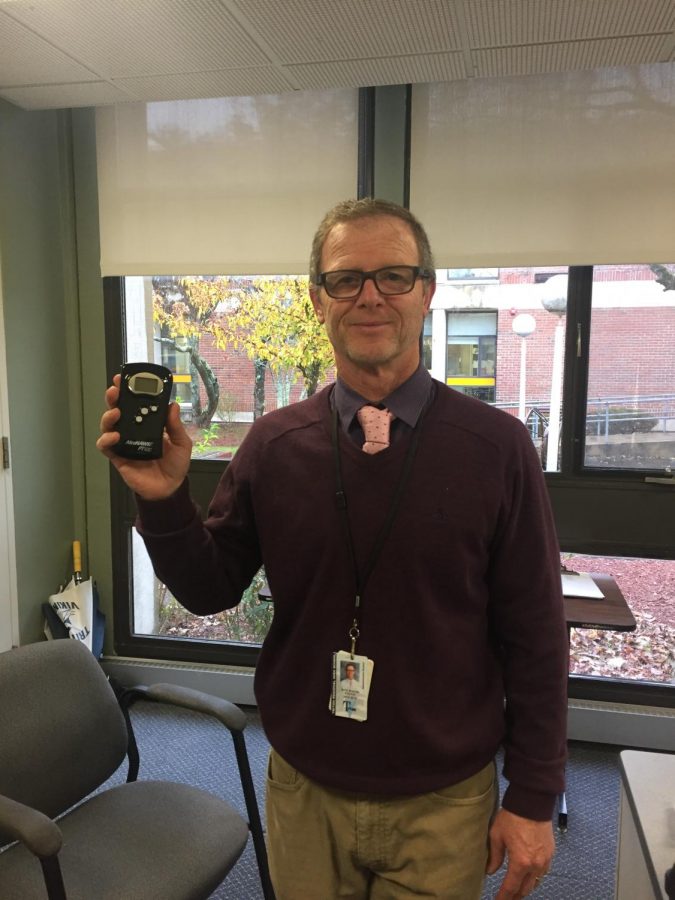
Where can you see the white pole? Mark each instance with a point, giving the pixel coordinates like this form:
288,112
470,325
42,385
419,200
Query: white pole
439,344
521,393
556,398
523,325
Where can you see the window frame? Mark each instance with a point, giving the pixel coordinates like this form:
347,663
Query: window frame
574,487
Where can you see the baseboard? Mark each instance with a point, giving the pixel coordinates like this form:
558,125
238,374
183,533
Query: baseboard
627,725
229,682
646,727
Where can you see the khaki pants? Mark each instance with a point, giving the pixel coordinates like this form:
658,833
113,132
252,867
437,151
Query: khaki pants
326,845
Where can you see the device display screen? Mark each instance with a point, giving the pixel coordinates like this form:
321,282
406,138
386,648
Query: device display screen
141,384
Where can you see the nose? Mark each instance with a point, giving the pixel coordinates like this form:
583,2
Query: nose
369,292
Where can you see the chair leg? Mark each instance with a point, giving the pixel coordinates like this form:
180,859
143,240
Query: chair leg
562,812
125,699
51,869
253,812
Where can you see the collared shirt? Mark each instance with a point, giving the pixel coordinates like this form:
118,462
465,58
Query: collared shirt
406,403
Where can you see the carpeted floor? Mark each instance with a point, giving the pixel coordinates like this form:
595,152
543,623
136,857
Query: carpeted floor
182,746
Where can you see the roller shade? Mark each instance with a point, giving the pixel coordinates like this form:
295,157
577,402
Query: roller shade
232,185
571,168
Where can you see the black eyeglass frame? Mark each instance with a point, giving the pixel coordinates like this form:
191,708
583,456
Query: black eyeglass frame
417,272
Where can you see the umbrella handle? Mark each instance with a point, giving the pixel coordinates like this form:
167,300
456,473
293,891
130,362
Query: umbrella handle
77,562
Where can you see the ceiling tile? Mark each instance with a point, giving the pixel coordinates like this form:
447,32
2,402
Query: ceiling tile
365,72
324,30
25,58
60,96
222,83
145,37
497,23
562,57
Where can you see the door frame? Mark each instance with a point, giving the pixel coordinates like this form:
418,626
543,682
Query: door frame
9,607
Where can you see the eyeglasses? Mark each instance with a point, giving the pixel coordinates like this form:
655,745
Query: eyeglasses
347,284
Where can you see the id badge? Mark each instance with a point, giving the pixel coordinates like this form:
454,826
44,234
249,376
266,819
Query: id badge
351,679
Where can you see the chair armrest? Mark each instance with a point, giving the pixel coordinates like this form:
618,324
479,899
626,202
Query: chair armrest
227,713
37,831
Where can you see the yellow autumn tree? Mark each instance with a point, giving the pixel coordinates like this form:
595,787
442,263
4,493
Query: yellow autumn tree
185,309
270,319
275,323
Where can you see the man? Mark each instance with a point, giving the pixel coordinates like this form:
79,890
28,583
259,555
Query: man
430,559
350,682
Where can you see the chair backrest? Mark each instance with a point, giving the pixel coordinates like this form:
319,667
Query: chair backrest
62,733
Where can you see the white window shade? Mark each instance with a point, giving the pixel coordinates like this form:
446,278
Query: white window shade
232,185
572,168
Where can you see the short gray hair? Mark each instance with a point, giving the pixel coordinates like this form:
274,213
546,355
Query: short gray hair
368,207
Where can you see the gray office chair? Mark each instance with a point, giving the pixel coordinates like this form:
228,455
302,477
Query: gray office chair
62,735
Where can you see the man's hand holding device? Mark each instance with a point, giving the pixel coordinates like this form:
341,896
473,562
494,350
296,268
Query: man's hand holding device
142,434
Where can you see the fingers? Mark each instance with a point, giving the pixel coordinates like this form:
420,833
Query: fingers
109,436
536,880
496,854
107,442
517,885
529,845
530,882
110,418
113,392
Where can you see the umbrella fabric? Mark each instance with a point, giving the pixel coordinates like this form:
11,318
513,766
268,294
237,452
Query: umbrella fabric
76,607
54,627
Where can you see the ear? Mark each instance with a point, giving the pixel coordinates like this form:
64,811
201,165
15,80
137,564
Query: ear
316,303
429,295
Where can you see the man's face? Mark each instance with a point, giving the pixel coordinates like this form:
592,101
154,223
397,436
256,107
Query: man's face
350,671
373,332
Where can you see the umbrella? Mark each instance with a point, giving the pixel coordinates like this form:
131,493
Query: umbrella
74,611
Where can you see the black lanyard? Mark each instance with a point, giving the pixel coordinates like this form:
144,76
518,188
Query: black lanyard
361,578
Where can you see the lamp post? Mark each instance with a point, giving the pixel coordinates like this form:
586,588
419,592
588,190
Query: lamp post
523,325
554,300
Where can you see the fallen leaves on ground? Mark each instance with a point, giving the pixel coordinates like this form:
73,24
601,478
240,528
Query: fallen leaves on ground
646,654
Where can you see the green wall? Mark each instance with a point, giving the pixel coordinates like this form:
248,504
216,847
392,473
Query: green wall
95,474
51,303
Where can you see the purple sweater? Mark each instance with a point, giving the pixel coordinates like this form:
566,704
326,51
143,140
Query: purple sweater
462,610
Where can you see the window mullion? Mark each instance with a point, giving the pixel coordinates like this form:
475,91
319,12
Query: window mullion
575,387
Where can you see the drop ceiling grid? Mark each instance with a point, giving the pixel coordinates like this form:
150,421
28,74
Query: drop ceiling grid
27,59
352,29
364,72
59,96
537,59
219,83
501,23
142,38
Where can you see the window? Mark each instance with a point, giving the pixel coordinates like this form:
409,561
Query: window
602,519
475,340
238,347
630,410
607,336
645,654
234,346
471,353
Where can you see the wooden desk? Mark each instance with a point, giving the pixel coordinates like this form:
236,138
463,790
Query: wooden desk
610,613
646,825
